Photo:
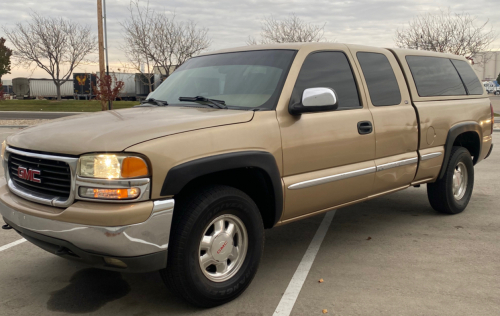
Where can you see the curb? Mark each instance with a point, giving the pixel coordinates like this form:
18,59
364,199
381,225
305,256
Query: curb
32,112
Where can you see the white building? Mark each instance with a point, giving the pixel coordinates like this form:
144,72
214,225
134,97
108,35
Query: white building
487,65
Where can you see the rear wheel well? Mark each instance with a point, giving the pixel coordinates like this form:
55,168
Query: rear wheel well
255,182
471,142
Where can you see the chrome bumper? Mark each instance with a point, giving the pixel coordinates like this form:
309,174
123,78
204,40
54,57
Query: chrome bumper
140,239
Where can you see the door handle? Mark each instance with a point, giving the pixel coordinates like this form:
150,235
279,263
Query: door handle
365,127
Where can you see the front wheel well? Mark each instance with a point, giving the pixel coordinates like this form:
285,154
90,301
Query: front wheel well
255,182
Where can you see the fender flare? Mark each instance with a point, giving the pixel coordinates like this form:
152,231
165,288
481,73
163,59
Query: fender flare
179,176
453,133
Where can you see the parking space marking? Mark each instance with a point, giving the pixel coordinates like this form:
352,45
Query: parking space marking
12,244
287,302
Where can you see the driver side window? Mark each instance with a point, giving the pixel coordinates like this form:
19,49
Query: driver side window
328,70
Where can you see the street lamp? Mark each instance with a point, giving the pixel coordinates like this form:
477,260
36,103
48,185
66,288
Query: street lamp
103,40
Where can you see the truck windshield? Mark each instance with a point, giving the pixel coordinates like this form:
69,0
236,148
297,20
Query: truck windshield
243,80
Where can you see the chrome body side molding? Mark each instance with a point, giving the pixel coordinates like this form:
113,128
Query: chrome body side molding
397,164
336,177
430,156
350,174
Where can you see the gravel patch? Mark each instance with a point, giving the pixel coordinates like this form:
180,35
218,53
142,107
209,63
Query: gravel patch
20,122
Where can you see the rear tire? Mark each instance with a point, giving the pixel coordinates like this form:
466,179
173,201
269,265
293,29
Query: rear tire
227,219
452,193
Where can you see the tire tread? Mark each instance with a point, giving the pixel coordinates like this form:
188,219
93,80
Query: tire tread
189,209
437,192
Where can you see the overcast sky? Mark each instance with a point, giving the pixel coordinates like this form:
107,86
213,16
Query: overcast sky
230,22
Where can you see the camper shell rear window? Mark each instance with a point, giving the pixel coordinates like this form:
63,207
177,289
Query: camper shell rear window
435,76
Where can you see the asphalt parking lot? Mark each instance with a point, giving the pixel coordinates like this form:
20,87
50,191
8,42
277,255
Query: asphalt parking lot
390,256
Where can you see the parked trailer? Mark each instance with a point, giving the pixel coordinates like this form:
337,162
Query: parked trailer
128,91
142,84
21,87
135,84
31,88
46,88
82,85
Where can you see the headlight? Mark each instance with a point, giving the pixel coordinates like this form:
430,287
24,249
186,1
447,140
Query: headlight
112,166
4,146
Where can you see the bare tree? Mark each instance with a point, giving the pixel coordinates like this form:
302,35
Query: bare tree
291,29
447,32
56,45
137,44
158,41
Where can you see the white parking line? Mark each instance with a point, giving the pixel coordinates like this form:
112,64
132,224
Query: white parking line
292,291
12,244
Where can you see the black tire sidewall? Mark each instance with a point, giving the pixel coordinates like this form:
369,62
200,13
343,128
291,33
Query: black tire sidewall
248,213
460,155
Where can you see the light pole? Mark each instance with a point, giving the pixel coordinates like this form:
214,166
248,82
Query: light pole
106,46
103,42
101,46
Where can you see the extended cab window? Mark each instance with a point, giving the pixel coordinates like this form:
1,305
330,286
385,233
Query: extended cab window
380,79
468,76
328,70
435,76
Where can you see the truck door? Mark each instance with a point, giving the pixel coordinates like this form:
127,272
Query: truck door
327,156
394,118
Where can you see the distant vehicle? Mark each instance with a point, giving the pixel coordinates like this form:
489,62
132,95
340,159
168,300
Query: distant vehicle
30,88
492,87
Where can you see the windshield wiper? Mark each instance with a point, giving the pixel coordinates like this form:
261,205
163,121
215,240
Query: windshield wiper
202,100
154,101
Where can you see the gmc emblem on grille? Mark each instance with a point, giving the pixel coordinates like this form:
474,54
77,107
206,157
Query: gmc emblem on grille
28,174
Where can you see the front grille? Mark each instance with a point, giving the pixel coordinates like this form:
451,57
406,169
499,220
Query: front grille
55,176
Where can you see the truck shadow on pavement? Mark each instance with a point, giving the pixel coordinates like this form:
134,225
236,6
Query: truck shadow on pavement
91,289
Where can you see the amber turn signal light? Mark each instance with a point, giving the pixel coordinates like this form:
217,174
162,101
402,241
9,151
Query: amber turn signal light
133,167
109,194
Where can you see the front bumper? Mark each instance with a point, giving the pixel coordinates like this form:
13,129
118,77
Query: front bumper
91,244
64,249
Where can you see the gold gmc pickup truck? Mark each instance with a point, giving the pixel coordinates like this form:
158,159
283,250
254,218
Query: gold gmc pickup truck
240,140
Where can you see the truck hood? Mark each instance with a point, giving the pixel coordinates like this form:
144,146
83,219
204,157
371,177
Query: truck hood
114,131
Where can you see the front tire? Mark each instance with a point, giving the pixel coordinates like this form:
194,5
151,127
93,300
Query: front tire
452,193
215,247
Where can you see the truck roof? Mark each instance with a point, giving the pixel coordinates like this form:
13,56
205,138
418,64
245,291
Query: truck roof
327,45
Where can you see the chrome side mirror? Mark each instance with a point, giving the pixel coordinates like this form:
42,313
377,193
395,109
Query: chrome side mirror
319,97
316,100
